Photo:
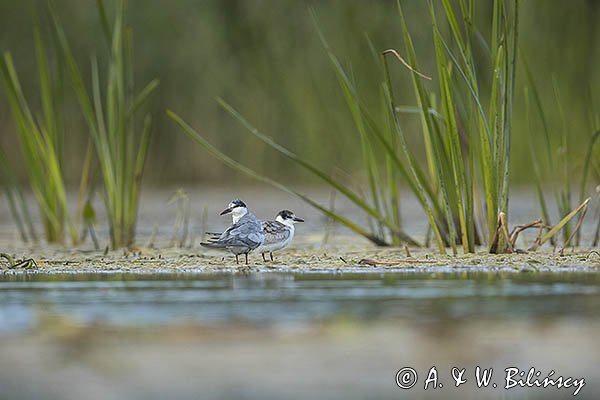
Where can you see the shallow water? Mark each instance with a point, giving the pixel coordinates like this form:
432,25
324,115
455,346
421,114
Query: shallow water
291,336
280,299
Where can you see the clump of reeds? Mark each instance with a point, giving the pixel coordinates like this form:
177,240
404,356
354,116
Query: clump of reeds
111,112
468,149
591,166
553,163
41,138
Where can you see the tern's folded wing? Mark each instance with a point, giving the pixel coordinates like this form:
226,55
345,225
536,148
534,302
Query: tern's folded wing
275,231
244,232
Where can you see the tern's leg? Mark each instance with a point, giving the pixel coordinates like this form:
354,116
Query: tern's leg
264,259
237,260
271,254
246,254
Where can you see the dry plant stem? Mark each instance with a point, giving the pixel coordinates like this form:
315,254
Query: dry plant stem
501,229
407,65
556,228
514,235
509,244
577,228
368,261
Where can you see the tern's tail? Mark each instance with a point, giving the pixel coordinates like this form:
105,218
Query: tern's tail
212,241
213,245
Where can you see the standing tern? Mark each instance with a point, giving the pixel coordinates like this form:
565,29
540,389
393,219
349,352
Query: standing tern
278,233
243,236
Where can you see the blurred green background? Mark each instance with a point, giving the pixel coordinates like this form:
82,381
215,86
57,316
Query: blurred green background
265,58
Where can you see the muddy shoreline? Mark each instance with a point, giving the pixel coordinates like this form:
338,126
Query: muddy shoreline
328,259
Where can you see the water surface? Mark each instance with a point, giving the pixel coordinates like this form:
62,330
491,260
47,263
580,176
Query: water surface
291,336
276,299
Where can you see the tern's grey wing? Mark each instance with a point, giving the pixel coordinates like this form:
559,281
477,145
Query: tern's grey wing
275,231
246,232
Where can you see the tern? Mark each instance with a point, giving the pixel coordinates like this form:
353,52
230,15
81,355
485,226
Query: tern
278,233
243,236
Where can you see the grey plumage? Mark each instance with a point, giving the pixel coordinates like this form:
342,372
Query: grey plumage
242,237
273,231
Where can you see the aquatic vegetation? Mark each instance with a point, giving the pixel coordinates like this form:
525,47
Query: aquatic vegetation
553,157
550,158
16,201
591,166
466,145
42,143
111,116
467,139
450,148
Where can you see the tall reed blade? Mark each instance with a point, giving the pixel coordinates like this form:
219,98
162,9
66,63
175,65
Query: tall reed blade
111,115
41,141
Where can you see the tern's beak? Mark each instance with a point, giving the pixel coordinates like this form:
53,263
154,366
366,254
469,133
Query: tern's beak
296,219
226,211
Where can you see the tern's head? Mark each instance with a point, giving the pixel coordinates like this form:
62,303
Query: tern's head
287,217
237,208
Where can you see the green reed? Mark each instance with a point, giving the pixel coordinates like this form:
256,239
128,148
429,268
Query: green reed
41,137
468,149
111,115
